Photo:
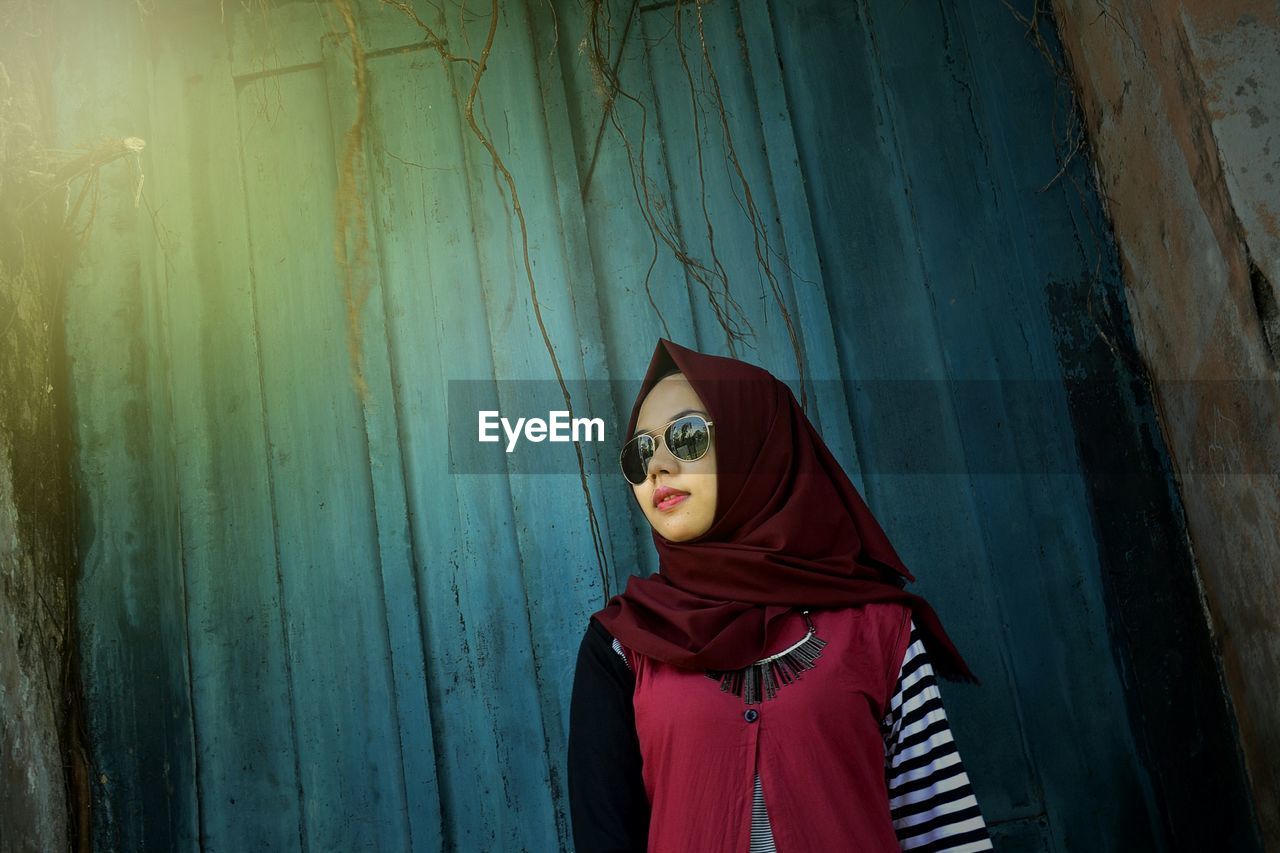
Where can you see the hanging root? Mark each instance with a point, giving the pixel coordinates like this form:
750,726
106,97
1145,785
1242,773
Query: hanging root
710,275
472,102
352,219
1073,141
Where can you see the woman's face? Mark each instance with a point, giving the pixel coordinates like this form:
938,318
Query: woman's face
672,397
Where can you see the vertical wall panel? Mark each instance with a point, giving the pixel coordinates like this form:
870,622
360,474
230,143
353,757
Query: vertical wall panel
909,446
246,759
130,595
1013,441
395,568
326,534
464,554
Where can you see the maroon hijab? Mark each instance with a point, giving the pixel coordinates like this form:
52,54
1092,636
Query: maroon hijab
790,530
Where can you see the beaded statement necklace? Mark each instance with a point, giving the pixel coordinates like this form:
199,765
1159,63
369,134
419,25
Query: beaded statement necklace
767,675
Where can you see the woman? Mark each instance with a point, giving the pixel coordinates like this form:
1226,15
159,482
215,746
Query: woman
769,688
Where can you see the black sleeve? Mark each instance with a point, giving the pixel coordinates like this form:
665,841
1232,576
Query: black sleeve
607,800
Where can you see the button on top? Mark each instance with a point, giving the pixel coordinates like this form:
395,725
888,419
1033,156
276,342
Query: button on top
751,715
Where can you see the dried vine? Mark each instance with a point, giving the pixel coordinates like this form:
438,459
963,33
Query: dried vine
1071,142
473,99
695,108
351,222
759,235
709,275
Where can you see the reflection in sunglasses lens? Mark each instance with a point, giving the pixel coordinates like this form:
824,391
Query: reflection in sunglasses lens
687,438
645,449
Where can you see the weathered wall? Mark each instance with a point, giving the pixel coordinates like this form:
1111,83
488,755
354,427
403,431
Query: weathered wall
1181,102
298,619
35,520
32,815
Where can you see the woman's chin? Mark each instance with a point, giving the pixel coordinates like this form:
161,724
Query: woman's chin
674,535
677,529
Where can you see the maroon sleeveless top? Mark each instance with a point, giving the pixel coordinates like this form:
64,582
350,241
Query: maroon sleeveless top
817,744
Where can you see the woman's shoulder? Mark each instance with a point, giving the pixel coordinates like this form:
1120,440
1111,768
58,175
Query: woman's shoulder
893,613
594,627
596,636
877,626
597,633
598,641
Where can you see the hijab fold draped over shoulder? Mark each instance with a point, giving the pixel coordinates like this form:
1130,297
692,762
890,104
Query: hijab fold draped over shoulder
790,530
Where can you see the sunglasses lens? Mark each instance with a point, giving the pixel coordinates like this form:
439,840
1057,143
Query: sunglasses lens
688,438
635,458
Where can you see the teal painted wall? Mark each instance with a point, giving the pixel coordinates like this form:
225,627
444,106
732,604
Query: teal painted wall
302,630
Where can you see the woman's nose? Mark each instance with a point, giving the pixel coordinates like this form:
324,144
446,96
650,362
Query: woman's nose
663,460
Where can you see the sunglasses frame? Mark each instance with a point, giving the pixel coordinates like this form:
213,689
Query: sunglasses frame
661,431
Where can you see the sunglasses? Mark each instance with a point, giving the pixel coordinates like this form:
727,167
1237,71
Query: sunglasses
688,439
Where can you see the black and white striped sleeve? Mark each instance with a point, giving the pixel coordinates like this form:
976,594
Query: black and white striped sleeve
930,798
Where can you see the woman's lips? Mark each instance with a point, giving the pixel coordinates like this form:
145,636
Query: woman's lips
665,493
668,503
